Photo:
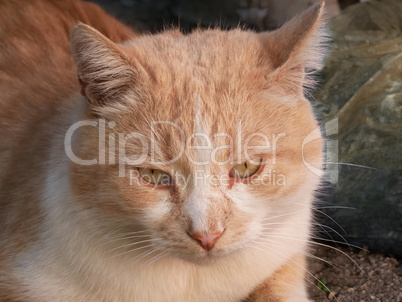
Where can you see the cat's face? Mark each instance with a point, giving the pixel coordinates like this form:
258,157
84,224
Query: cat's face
211,138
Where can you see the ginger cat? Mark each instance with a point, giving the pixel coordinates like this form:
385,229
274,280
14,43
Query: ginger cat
174,168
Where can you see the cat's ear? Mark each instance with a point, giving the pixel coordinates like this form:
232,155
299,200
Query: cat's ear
296,49
103,70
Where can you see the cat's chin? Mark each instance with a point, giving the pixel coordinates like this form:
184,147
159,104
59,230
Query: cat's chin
204,261
205,258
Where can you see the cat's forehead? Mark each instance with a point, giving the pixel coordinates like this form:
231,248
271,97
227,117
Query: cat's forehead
207,42
205,79
204,55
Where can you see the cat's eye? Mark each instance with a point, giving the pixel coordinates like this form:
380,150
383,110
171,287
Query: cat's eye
246,169
155,177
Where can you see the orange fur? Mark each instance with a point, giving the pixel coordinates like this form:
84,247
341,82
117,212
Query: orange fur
58,216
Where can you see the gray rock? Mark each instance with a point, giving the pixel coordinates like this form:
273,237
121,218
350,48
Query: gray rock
362,89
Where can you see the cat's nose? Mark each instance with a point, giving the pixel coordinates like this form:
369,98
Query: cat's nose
207,241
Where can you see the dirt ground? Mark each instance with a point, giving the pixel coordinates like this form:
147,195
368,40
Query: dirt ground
349,275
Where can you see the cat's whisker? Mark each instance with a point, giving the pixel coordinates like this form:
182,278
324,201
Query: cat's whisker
317,238
276,235
152,260
320,244
287,222
282,215
291,260
303,252
128,267
353,165
318,209
132,250
127,237
322,226
333,220
157,257
304,269
137,259
141,257
131,232
130,244
334,207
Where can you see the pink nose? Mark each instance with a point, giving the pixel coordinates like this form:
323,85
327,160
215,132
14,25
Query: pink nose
207,241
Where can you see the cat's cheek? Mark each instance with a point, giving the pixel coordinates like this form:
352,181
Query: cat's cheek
243,225
246,202
159,211
144,199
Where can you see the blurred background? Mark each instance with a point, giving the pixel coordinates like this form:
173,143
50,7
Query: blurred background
153,15
358,102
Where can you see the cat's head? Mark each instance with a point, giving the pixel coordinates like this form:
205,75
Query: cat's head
203,139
